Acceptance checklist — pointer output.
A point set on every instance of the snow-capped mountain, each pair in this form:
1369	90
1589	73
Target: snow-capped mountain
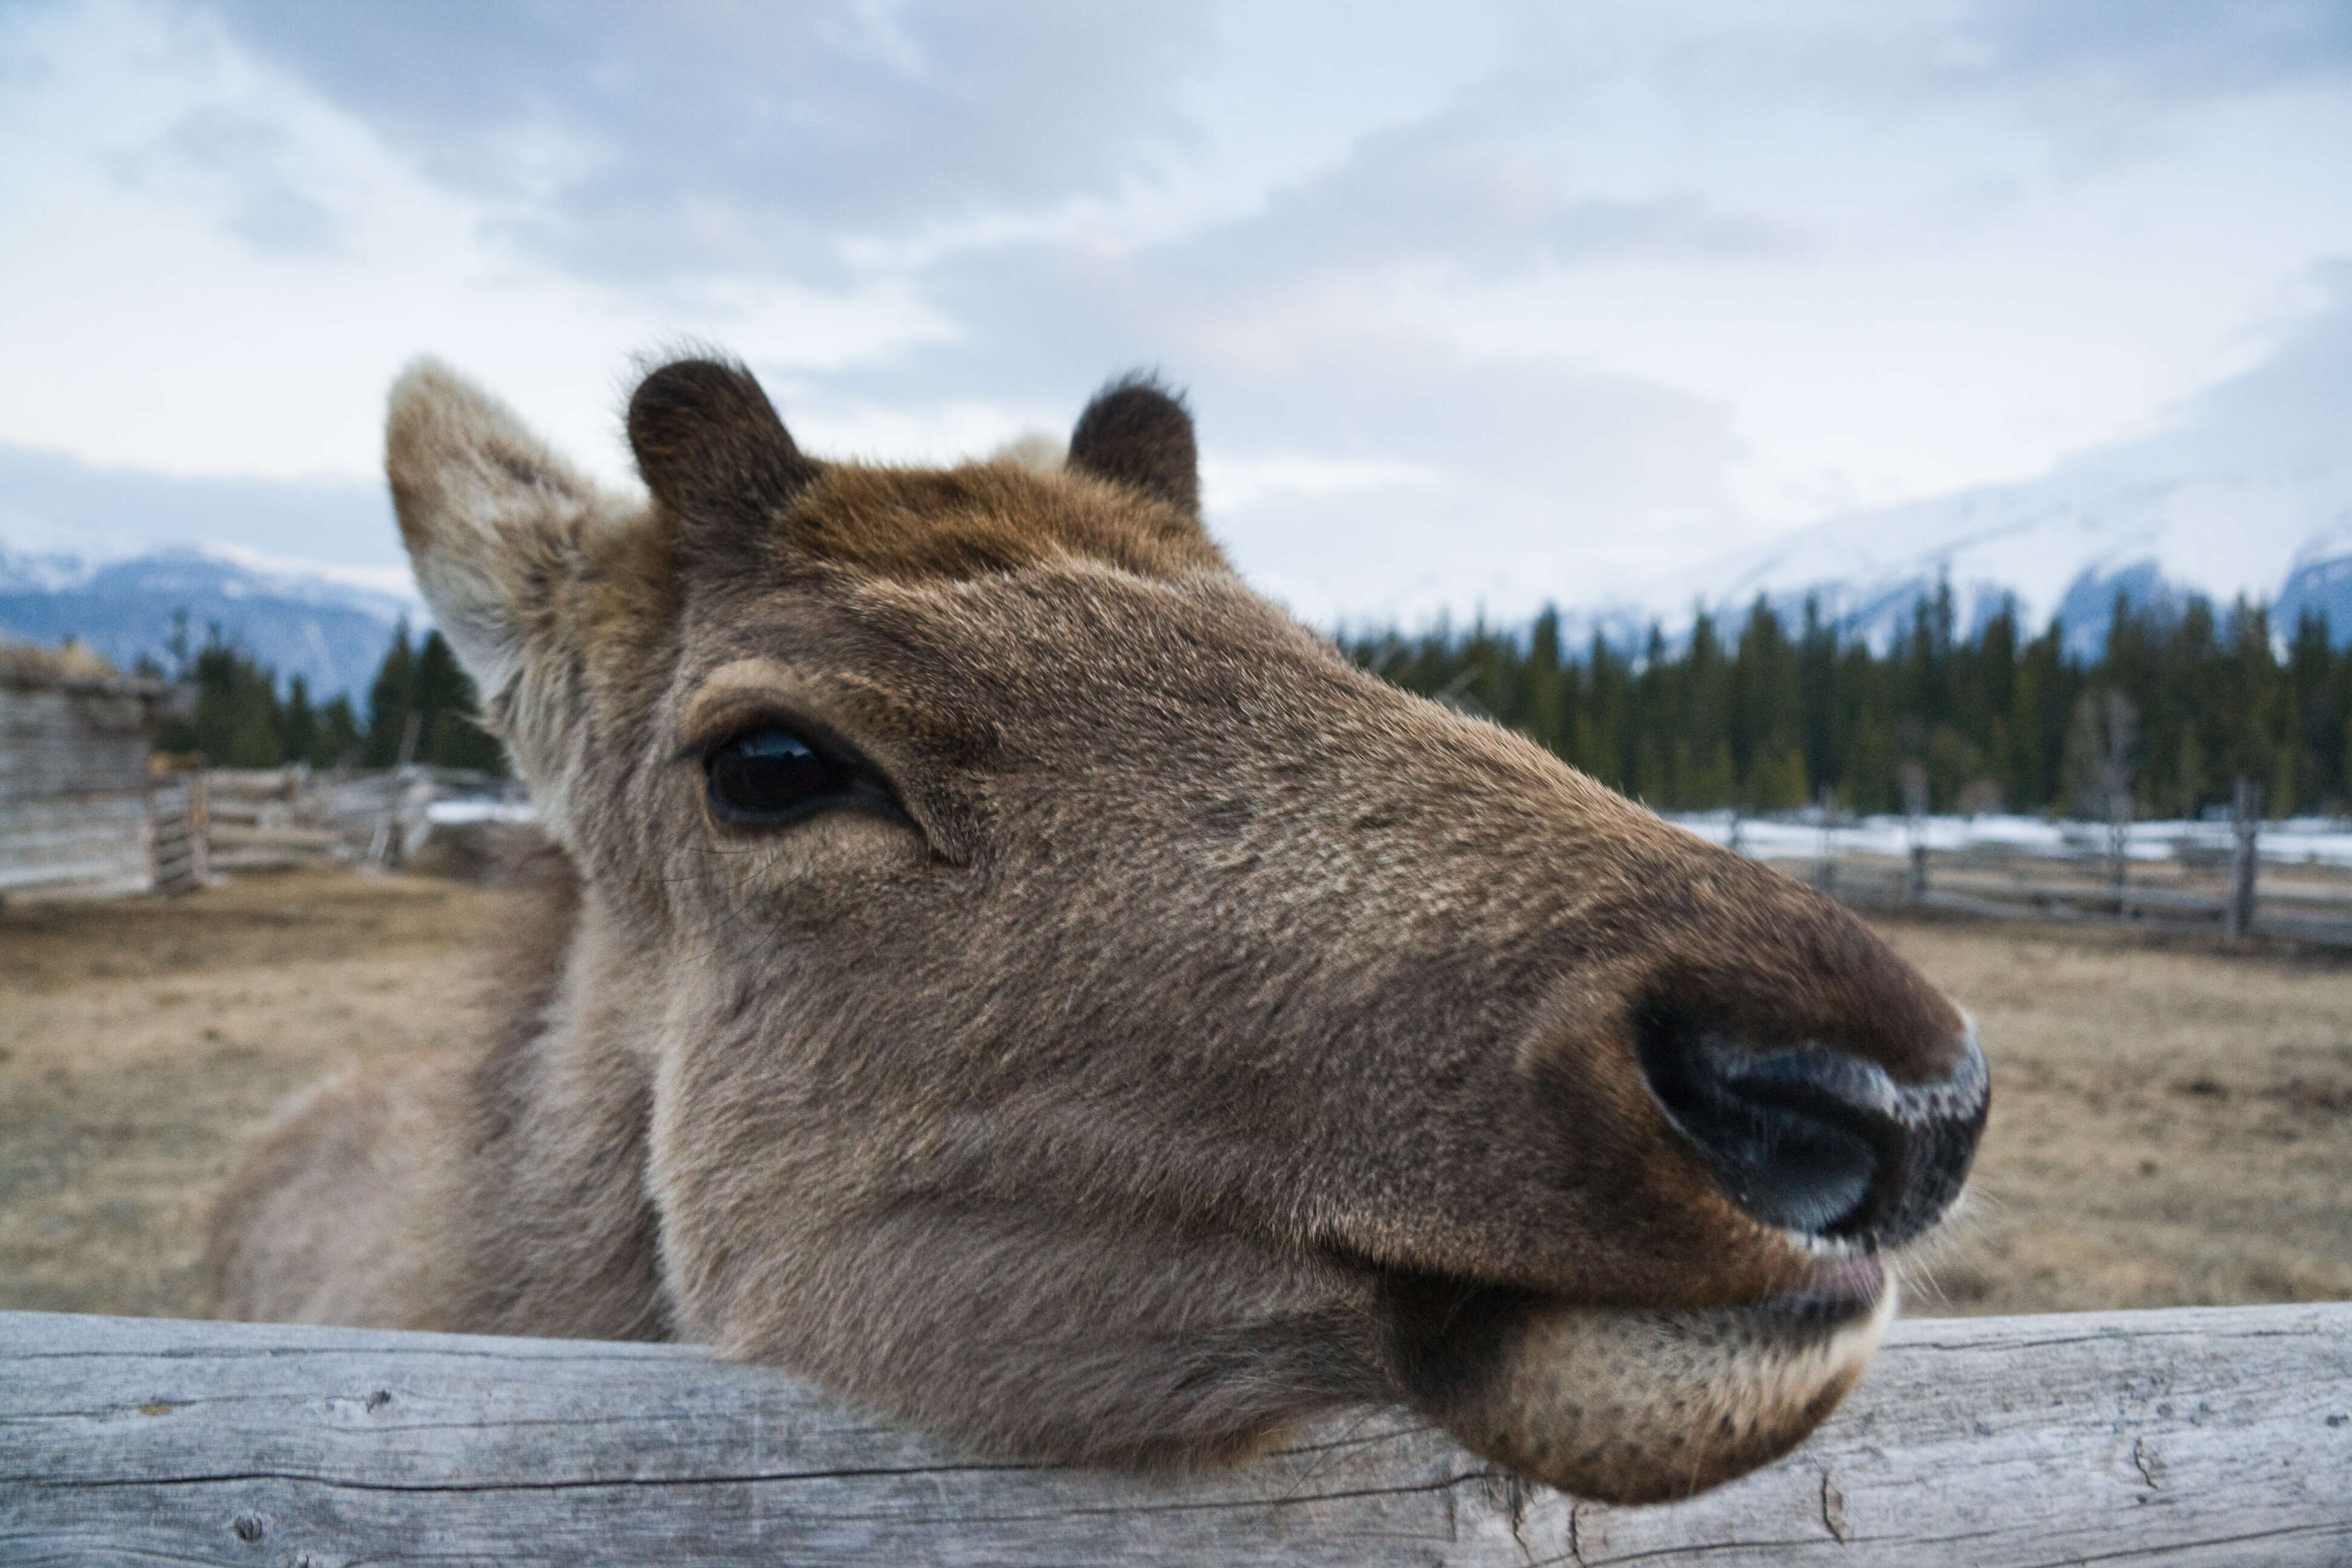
2249	490
329	626
2064	546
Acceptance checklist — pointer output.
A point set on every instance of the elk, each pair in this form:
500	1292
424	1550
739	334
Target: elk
1000	968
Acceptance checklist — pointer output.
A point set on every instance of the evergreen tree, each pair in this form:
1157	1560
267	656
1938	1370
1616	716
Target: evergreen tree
422	685
240	721
1547	721
1825	729
1989	717
336	742
444	696
297	722
236	723
2314	712
391	700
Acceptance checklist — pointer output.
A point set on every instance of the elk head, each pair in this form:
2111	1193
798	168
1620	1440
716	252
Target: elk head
1085	1015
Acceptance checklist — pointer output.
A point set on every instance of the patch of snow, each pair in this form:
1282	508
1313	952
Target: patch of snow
478	809
2315	841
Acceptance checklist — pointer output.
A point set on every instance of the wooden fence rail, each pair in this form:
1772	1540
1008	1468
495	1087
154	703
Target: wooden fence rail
2324	919
2199	1437
171	834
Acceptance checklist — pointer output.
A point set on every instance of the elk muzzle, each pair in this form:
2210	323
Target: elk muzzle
1819	1142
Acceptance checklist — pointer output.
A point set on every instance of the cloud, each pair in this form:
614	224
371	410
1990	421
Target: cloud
2160	51
52	503
631	142
2094	68
2285	415
1464	190
676	142
1354	465
247	165
1519	483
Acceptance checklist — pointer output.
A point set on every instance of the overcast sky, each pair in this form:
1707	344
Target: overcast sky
1479	306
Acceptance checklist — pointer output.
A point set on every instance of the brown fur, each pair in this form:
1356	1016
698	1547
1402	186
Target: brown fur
1138	434
1216	1035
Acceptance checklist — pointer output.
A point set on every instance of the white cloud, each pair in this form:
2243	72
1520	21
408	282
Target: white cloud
1482	305
148	326
1239	483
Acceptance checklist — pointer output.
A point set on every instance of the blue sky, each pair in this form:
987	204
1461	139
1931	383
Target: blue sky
1479	305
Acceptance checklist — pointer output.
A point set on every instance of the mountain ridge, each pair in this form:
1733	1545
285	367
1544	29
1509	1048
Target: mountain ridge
2245	491
2062	547
329	630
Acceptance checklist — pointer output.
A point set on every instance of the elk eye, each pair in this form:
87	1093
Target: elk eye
770	775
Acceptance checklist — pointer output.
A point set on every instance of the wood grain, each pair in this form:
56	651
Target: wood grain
2206	1435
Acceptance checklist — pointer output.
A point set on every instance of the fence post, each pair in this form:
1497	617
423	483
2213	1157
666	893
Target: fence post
2119	852
1826	877
177	813
1916	804
387	849
2245	827
2118	766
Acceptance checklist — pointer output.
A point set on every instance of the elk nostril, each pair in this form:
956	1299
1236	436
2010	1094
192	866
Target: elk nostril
1816	1140
1786	1152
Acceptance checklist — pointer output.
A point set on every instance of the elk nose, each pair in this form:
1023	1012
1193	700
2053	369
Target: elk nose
1817	1140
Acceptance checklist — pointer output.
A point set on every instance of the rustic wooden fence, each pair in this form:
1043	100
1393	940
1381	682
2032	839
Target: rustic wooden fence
1951	885
273	820
179	816
95	845
2198	890
174	834
2201	1437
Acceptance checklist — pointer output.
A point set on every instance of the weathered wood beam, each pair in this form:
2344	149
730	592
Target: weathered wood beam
2213	1436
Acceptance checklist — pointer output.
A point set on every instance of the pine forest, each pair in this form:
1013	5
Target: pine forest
2183	701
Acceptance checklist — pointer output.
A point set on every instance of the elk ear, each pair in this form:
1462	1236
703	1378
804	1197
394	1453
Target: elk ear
712	450
1139	434
497	525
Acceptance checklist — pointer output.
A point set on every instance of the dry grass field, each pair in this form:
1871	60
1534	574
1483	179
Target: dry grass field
2171	1124
141	1041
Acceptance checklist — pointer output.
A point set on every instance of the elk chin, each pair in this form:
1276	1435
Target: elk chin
1622	1405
